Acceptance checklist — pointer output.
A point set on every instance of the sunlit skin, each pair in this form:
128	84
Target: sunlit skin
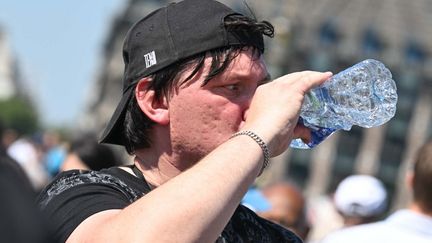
203	117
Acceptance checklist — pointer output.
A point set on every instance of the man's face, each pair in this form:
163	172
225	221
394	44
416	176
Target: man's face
203	117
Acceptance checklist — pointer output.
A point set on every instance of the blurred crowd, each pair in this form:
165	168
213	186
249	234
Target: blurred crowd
357	211
44	154
358	199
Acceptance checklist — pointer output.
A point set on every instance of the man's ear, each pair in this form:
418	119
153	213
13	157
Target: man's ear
156	110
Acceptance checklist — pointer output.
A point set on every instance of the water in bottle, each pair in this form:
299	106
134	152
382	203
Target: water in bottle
363	95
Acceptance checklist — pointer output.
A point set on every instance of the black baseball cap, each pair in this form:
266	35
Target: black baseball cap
166	36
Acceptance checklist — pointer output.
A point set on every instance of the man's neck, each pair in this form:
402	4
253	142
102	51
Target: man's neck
157	169
418	209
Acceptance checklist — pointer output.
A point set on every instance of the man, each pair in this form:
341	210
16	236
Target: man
194	76
20	220
360	199
413	224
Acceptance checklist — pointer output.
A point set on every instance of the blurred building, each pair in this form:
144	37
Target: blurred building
9	78
334	34
323	35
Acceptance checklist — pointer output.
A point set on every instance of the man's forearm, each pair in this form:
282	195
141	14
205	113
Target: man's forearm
195	206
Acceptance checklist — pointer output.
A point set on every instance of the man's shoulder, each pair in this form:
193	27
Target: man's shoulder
75	195
81	180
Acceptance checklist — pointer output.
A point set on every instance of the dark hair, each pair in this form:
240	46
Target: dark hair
137	125
422	180
96	156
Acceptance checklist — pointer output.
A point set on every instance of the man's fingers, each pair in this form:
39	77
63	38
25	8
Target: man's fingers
302	132
307	80
310	79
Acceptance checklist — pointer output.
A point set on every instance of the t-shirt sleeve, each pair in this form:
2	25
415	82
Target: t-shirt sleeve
76	196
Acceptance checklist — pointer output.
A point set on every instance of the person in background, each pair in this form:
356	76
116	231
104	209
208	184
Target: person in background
254	200
196	96
413	224
55	149
287	207
8	137
12	165
25	151
86	153
20	220
360	199
357	199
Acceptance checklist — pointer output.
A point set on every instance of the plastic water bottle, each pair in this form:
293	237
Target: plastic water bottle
363	95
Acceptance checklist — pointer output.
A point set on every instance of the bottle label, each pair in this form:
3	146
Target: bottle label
318	134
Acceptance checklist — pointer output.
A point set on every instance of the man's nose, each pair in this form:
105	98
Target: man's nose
246	104
245	112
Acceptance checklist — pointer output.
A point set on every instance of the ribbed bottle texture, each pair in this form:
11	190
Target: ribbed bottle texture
363	95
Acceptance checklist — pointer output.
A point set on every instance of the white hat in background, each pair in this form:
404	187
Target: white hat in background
361	195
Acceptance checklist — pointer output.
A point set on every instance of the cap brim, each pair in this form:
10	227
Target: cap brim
113	132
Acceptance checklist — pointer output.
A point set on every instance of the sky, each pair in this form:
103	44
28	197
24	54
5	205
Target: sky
58	45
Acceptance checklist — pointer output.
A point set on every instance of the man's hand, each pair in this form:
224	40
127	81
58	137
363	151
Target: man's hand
275	109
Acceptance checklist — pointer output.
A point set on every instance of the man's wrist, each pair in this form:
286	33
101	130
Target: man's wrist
261	143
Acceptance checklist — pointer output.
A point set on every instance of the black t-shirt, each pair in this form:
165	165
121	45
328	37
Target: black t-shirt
75	195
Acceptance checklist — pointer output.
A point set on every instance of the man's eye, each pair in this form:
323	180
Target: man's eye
233	87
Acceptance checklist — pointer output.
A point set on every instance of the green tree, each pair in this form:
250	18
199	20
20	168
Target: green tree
19	114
